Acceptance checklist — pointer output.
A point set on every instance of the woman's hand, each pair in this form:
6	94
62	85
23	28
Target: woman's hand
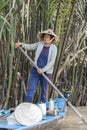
40	71
18	44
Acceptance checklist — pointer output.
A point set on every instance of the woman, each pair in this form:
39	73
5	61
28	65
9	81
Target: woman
45	56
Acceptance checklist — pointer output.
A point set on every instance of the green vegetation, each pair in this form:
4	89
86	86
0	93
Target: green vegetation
21	20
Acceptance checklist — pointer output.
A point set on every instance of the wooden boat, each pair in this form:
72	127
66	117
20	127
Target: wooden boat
49	122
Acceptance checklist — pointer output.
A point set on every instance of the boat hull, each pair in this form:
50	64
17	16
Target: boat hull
48	122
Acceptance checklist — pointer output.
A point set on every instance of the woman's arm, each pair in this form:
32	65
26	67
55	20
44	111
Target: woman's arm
27	46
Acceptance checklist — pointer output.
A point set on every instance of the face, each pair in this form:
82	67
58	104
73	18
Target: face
47	38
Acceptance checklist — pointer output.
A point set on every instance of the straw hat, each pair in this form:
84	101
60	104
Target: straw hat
50	32
28	113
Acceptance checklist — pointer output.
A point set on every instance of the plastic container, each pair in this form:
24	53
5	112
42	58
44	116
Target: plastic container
51	105
42	107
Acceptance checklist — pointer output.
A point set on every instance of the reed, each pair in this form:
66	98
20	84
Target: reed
21	20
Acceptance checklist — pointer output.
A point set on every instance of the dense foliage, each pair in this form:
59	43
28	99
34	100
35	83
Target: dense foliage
21	20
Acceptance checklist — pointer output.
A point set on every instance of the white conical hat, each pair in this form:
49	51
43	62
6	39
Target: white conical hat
28	113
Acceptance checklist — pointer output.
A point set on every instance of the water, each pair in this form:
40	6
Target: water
72	121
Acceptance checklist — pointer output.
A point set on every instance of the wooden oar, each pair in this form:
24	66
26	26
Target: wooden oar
56	89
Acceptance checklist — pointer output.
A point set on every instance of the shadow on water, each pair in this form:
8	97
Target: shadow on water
72	121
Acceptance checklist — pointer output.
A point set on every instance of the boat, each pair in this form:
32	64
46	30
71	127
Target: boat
49	122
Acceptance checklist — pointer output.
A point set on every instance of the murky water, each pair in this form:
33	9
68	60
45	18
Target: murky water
72	121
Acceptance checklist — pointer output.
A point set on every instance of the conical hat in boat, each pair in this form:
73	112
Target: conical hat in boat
28	113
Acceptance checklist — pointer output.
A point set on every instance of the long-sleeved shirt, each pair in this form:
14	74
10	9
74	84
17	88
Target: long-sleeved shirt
48	68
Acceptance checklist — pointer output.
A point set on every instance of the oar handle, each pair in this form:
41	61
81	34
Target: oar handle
56	89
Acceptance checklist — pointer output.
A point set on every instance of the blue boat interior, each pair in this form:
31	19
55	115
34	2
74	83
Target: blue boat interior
58	103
